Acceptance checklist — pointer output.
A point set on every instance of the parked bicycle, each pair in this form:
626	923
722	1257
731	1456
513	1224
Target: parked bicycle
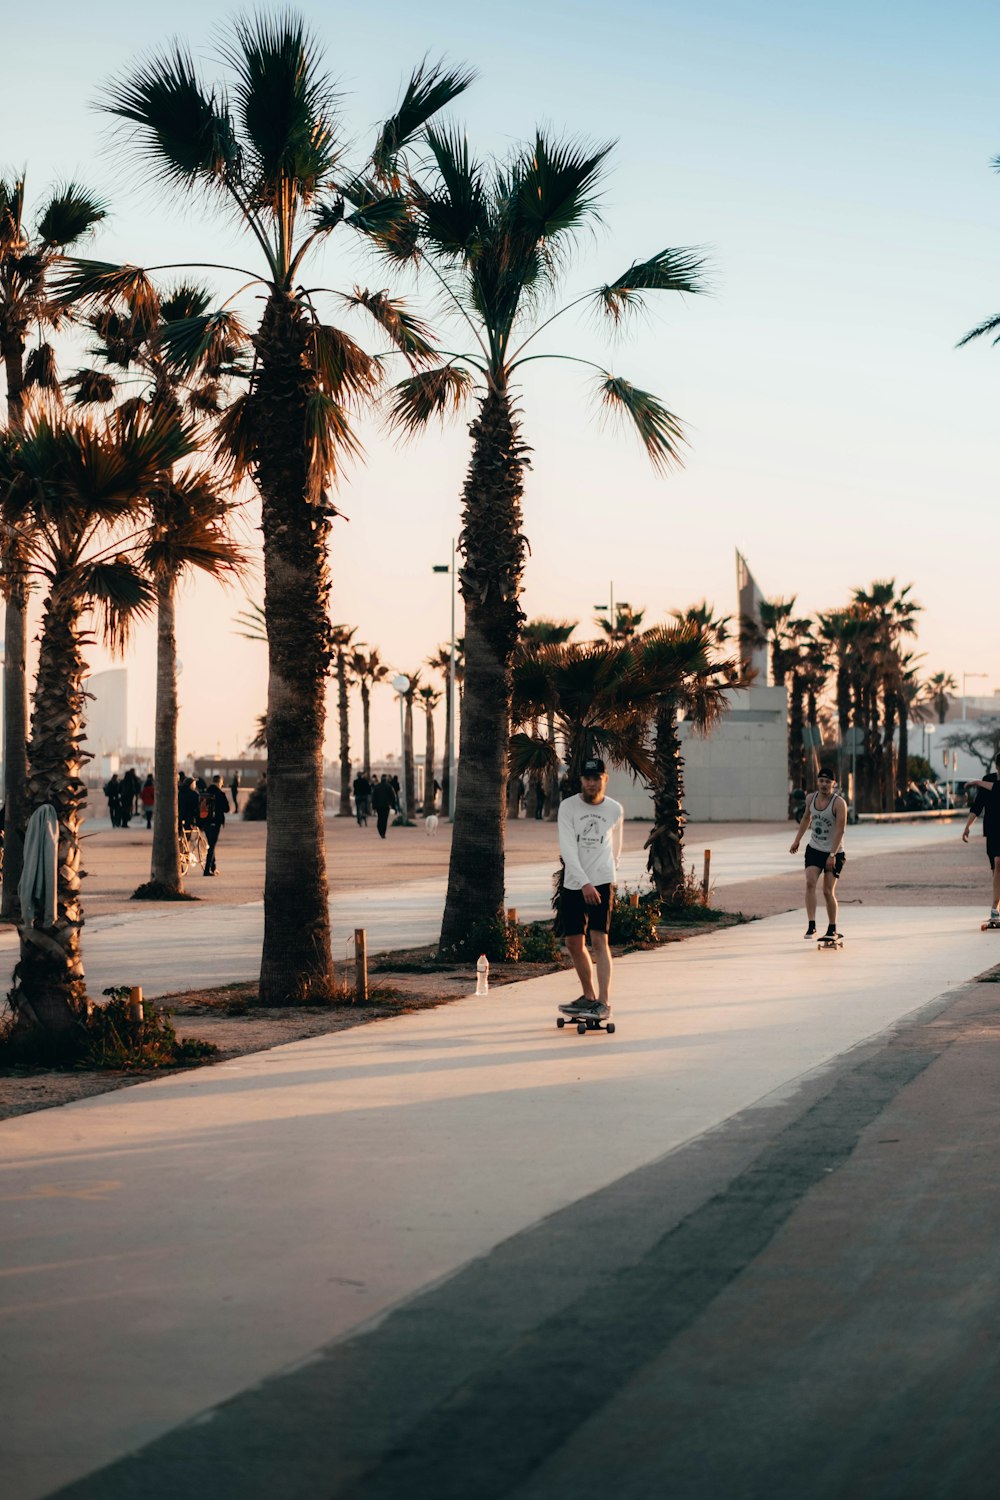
192	846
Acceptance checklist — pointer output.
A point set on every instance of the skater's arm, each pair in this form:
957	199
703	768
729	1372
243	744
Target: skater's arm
840	813
973	815
806	820
618	840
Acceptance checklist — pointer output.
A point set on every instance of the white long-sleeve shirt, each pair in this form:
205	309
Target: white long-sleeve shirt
590	841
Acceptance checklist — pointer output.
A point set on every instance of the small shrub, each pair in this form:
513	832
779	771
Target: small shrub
499	939
539	944
155	890
112	1039
687	895
633	926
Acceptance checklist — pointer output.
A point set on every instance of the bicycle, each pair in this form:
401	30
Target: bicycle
192	846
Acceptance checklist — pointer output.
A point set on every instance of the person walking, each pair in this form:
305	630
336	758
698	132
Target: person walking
147	796
591	833
234	787
987	803
187	804
113	792
383	802
362	798
213	804
825	817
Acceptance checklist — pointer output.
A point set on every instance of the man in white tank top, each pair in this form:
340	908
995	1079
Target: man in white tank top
826	818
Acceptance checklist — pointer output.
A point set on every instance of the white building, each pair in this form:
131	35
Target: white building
106	719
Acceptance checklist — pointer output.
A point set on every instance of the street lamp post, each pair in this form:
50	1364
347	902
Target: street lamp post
965	678
610	608
444	568
401	685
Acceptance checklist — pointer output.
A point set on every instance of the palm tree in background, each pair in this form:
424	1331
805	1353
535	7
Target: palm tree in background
938	690
441	662
775	615
144	341
544	632
626	624
367	670
496	239
430	697
28	254
74	486
270	150
341	637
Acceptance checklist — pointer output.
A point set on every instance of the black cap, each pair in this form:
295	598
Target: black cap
592	767
825	771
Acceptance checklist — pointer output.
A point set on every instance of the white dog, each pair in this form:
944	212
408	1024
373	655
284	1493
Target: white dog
431	825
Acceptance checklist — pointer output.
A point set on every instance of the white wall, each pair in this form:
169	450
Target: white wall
738	773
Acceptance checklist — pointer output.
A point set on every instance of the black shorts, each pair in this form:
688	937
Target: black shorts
819	857
992	851
576	916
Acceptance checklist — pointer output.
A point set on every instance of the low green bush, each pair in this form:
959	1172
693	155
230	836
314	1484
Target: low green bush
633	926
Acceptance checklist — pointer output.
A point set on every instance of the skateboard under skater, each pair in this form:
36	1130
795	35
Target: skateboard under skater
584	1024
992	925
829	942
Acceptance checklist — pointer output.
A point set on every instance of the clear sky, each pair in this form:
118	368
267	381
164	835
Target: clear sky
834	164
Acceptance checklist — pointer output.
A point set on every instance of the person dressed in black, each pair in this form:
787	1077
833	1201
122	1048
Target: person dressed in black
987	802
213	804
113	792
234	787
187	804
362	798
383	802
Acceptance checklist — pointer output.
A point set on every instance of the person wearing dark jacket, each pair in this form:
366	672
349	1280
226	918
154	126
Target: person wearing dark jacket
383	802
187	804
213	806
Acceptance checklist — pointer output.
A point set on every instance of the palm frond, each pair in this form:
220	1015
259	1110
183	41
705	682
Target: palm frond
254	622
329	438
430	393
343	367
454	218
82	282
186	300
91	387
285	107
184	133
991	325
236	436
120	595
40	368
667	271
69	214
555	185
430	89
409	334
190	343
12	213
528	752
660	432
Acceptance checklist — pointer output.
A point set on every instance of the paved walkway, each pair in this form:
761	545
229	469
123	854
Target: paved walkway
215	1238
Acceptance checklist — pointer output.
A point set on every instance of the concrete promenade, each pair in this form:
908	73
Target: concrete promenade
745	1247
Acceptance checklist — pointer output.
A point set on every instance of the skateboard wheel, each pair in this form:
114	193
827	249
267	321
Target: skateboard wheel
560	1022
581	1028
610	1027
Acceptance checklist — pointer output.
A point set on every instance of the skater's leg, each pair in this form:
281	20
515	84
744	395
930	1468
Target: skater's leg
812	875
577	945
830	897
602	963
996	884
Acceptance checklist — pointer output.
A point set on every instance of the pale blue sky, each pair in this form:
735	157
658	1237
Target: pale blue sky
834	163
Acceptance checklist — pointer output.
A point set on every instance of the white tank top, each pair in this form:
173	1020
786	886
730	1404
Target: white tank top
823	827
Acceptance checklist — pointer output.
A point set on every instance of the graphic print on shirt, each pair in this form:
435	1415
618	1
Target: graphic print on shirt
822	829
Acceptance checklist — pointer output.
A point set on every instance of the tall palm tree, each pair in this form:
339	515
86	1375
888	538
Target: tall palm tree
341	637
409	766
275	158
496	240
939	689
74	487
441	662
28	254
625	625
144	341
368	670
774	617
890	616
430	697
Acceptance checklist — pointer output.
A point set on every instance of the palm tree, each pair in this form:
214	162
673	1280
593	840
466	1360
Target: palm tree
441	662
275	159
496	240
409	768
774	617
544	632
889	617
27	257
144	340
368	670
696	680
430	698
910	694
72	486
939	689
341	637
624	626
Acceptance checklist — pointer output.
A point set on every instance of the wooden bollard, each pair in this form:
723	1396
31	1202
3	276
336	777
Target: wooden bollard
135	1004
705	875
633	898
512	916
360	965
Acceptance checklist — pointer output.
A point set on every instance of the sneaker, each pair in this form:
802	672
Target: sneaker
593	1010
575	1006
831	932
810	931
994	915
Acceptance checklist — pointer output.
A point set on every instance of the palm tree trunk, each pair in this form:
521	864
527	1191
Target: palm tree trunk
493	550
345	737
429	764
49	986
446	753
666	842
15	738
296	959
165	867
366	710
409	770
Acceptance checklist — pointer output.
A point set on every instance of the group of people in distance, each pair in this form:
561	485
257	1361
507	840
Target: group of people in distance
380	795
127	795
199	805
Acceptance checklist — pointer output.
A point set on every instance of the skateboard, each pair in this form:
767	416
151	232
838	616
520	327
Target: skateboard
991	926
830	942
584	1024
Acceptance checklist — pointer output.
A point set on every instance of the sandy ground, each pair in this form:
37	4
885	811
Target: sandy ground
117	860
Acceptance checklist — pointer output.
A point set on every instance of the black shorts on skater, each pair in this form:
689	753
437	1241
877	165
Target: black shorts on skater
819	857
577	916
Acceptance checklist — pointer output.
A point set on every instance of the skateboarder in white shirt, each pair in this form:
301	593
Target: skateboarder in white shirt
591	832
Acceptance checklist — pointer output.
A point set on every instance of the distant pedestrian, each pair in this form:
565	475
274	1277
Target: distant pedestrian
113	792
539	799
129	795
383	802
234	789
213	804
397	803
147	797
362	799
